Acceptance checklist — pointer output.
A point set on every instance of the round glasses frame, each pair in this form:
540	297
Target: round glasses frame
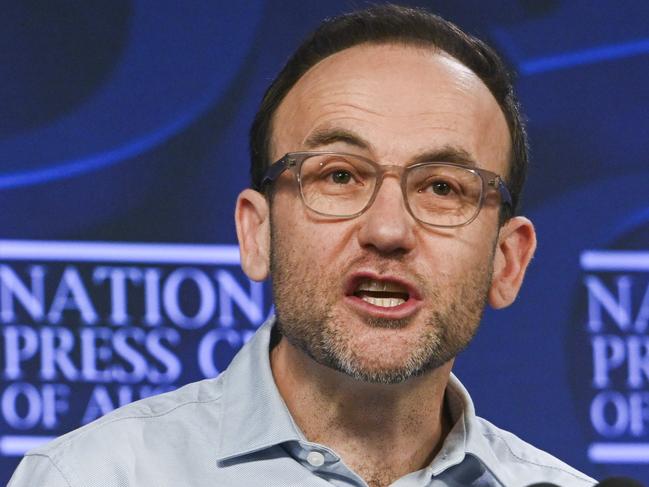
293	161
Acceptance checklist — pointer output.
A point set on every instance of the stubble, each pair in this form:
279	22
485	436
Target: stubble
307	316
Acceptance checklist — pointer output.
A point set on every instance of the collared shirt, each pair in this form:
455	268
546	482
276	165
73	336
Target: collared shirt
235	431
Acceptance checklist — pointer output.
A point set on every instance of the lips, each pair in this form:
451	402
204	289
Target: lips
382	295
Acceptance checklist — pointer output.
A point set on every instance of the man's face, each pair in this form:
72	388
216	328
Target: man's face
392	104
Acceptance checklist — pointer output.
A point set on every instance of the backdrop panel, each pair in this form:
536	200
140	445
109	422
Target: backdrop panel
124	145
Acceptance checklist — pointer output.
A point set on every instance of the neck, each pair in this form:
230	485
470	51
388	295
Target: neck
381	431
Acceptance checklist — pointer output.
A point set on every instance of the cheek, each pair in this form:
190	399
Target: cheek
323	245
309	248
308	235
460	253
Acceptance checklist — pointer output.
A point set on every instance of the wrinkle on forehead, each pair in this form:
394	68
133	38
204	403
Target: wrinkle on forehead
370	86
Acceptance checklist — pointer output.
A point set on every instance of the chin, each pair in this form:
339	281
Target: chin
382	360
381	374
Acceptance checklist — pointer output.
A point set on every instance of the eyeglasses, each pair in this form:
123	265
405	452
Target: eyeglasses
441	194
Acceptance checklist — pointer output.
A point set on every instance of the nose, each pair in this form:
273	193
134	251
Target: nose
386	225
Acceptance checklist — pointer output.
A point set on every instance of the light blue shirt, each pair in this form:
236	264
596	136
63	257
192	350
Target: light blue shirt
235	431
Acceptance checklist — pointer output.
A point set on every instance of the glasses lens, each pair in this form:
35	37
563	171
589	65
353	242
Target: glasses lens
336	184
443	195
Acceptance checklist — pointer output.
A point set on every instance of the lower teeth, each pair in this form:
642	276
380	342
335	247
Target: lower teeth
384	302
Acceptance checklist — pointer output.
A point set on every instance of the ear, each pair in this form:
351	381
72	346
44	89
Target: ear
514	251
252	218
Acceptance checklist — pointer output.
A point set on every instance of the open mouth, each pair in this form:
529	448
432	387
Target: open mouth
385	294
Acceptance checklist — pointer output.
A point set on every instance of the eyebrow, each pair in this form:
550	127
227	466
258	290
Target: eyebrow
327	136
447	153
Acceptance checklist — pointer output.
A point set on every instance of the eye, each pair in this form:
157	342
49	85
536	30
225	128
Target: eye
340	177
441	188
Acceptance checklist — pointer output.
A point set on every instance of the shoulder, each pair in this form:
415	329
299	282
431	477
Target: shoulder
155	427
524	461
188	402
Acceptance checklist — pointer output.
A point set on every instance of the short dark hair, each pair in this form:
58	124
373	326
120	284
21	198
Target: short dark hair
386	24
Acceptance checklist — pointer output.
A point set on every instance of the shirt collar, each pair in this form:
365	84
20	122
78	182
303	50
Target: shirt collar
254	415
466	437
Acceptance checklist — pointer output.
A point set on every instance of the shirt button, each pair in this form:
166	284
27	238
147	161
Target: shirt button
315	459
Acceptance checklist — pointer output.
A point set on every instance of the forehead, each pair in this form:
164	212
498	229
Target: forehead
401	100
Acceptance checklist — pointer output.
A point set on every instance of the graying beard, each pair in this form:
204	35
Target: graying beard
322	348
325	354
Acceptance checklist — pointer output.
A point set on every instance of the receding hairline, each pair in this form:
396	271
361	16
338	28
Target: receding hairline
398	42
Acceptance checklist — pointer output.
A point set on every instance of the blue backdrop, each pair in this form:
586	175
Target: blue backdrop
123	145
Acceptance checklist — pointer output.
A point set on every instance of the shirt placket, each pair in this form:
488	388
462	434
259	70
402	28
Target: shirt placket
324	463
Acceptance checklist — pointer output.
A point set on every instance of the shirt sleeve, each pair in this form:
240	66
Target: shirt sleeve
37	470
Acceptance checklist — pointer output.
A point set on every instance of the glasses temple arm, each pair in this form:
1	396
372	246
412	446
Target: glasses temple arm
505	195
275	170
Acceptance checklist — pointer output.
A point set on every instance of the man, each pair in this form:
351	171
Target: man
387	223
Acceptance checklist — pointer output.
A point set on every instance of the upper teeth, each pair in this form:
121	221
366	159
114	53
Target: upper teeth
367	288
386	286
